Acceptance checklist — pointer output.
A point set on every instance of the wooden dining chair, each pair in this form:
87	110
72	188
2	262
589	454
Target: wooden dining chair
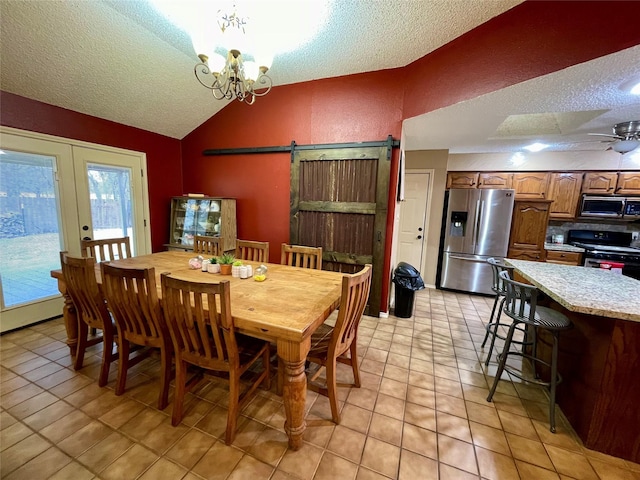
132	298
301	256
91	309
330	344
204	336
106	249
254	251
209	246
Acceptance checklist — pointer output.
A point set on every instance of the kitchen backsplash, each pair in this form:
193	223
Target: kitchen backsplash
562	228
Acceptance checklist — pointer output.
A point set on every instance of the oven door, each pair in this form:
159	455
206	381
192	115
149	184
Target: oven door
611	207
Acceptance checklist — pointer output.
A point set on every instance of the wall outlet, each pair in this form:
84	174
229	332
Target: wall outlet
635	235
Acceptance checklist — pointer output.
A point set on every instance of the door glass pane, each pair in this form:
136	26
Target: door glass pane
30	240
111	196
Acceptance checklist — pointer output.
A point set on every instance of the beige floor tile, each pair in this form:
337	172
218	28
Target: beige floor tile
131	464
420	416
389	406
164	436
19	395
530	451
332	467
70	386
490	438
43	466
13	434
494	466
302	463
218	462
165	470
83	439
398	360
363	398
270	446
413	466
448	472
105	452
249	467
73	471
393	388
421	441
421	396
355	418
43	371
386	429
65	426
190	448
453	426
372	366
571	463
122	413
381	457
533	472
485	414
33	405
457	453
421	379
608	471
347	443
20	453
517	424
15	382
452	405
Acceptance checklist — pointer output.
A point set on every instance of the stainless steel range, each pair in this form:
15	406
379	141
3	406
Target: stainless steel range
607	247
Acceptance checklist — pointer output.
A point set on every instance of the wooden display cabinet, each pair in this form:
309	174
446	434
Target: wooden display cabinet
529	229
564	191
531	185
600	182
209	216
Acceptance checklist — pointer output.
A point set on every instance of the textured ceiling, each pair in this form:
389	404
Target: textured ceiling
122	61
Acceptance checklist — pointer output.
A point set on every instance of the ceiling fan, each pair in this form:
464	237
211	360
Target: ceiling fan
626	135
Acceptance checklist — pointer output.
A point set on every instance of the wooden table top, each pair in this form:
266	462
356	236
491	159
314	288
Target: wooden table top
290	304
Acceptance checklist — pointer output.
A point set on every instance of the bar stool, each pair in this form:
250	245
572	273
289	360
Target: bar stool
500	290
521	306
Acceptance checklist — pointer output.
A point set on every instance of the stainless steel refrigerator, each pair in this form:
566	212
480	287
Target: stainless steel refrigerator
477	226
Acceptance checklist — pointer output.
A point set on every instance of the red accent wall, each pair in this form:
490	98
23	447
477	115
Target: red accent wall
164	166
530	40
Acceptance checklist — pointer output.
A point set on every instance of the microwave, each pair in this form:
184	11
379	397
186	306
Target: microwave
594	206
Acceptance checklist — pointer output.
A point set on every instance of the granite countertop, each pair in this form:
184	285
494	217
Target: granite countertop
562	247
584	289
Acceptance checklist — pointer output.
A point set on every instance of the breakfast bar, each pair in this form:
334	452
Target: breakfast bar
599	357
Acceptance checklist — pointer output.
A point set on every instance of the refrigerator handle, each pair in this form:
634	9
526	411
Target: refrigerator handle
476	222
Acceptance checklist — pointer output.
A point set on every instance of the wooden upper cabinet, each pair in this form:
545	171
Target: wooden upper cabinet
529	229
495	180
564	192
600	182
628	183
532	185
462	180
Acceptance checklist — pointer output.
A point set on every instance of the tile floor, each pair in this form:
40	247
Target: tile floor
421	414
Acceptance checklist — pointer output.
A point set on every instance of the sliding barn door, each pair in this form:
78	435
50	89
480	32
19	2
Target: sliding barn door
339	203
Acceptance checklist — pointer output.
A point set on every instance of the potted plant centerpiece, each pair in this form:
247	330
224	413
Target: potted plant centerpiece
226	261
213	267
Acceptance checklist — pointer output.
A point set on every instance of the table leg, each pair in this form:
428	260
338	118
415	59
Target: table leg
70	317
293	356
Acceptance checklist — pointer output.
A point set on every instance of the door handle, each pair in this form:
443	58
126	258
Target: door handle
419	237
86	238
419	229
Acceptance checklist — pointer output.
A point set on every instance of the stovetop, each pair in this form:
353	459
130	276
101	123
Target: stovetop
607	248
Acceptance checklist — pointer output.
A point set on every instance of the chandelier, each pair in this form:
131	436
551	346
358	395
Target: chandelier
235	76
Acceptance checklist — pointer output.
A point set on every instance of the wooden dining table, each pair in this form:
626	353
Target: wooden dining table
285	309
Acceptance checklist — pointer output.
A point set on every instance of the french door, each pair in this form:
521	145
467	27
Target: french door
52	194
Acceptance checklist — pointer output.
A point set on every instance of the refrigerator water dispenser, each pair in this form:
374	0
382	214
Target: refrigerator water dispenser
458	224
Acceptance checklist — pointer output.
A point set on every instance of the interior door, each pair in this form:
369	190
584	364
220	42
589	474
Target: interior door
411	230
109	183
339	202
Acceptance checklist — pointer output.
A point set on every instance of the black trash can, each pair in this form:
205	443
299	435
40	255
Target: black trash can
407	280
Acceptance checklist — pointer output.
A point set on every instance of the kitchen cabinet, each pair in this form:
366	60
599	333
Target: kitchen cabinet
191	216
462	180
564	258
533	185
600	182
495	180
628	183
528	230
564	192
